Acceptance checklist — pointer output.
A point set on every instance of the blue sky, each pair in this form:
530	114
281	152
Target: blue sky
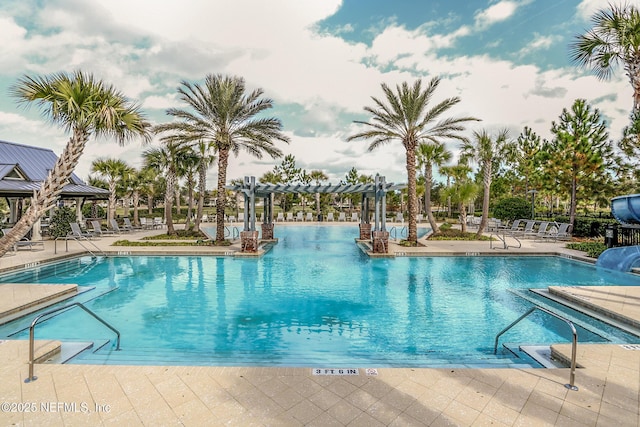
319	60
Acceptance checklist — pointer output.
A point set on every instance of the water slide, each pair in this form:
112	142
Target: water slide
626	210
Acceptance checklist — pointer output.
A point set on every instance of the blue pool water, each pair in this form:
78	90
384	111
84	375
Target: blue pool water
314	300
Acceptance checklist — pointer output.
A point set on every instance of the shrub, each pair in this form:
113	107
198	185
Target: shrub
593	249
587	227
512	208
59	225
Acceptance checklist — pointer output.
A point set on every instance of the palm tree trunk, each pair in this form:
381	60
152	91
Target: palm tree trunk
486	181
51	188
111	212
202	188
223	159
412	202
168	202
428	180
136	201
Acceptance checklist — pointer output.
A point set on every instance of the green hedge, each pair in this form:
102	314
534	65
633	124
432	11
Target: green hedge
588	227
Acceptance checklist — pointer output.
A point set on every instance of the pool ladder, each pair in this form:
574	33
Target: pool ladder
393	232
574	343
35	321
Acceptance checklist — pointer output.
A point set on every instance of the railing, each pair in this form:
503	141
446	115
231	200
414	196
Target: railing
66	243
503	239
393	232
574	343
40	316
233	232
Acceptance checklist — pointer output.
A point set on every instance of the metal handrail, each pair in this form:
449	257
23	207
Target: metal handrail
66	242
393	232
574	343
234	232
55	310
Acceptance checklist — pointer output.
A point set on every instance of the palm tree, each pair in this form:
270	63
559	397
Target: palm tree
85	106
139	180
613	40
229	119
462	190
486	151
406	117
204	163
114	171
164	160
188	163
429	155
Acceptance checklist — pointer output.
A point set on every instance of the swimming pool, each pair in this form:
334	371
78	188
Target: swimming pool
314	300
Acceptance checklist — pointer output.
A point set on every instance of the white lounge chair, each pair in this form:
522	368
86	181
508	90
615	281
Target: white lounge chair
289	216
330	216
354	216
342	217
419	217
280	217
399	217
299	216
309	217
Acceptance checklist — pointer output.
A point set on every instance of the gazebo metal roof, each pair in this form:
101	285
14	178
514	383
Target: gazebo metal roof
264	190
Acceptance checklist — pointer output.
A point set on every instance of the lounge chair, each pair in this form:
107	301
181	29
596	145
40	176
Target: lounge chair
557	232
115	227
24	242
159	222
419	218
299	216
342	217
354	217
523	232
309	217
515	227
97	229
399	217
77	233
289	216
330	216
540	232
127	226
280	217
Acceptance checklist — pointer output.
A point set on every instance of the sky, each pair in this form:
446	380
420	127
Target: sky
320	61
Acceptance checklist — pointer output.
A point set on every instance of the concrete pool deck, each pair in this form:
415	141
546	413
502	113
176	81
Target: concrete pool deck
609	383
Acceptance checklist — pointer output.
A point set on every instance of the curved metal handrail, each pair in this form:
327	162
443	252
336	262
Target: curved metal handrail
574	343
55	310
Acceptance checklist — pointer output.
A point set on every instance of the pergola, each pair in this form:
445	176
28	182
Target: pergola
376	191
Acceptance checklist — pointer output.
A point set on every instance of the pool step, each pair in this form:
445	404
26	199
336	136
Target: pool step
141	356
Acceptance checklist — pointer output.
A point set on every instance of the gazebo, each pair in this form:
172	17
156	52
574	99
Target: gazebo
376	192
23	168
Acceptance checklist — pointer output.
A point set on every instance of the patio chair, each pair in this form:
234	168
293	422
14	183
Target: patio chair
299	216
77	233
419	217
515	227
289	216
557	232
309	217
523	232
540	232
280	217
330	216
159	222
128	226
24	242
97	229
115	227
354	217
342	217
399	217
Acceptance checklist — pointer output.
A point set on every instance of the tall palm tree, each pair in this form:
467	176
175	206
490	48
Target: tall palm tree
187	169
139	181
114	171
85	106
164	159
406	117
430	155
486	151
204	163
230	119
461	191
613	40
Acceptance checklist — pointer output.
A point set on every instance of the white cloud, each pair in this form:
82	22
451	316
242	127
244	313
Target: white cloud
587	8
495	13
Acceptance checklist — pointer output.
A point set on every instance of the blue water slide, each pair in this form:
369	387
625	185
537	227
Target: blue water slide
626	209
620	259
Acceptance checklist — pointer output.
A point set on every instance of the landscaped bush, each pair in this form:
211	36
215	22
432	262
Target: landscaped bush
512	208
593	249
59	225
588	227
